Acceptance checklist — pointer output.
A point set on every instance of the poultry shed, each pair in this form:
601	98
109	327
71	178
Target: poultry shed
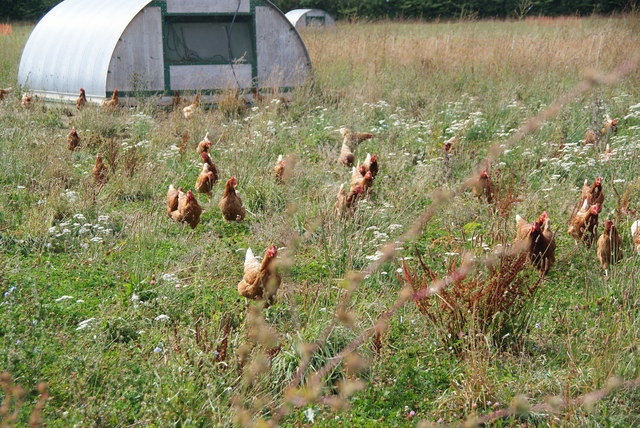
151	48
310	18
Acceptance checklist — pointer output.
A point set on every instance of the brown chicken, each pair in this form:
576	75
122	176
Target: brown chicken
352	139
347	202
184	143
584	225
172	199
81	100
635	234
357	174
177	101
609	126
73	139
590	137
482	187
27	101
538	241
447	146
4	93
592	194
261	280
212	166
278	170
371	164
346	158
523	227
189	110
366	183
188	210
99	171
205	181
231	204
113	103
204	145
609	246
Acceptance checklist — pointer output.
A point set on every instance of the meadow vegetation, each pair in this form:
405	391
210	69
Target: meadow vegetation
132	319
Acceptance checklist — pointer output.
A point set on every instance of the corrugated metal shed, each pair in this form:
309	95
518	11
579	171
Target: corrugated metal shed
310	18
154	47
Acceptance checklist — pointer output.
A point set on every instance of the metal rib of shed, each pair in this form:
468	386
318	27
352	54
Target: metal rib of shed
71	47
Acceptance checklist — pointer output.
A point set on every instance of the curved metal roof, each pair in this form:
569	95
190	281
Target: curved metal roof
71	47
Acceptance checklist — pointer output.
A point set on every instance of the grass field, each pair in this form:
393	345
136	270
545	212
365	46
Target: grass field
133	320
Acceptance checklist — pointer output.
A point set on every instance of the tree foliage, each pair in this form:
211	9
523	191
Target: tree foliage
445	9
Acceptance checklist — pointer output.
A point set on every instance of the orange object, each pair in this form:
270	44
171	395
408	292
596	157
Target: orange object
6	29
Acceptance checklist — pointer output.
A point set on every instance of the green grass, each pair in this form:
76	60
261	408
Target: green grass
123	263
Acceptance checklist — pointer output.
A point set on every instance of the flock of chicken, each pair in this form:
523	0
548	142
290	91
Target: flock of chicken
537	239
261	279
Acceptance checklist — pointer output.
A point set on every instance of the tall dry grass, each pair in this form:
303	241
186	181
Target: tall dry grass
400	60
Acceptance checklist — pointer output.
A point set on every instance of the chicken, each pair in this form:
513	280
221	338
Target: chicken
635	234
205	181
260	280
189	110
258	98
367	183
204	145
184	143
177	101
346	158
189	209
352	139
592	194
183	207
538	241
609	126
447	146
482	187
212	166
26	101
346	202
447	149
371	164
278	170
357	174
585	223
523	227
608	153
172	199
609	245
4	93
361	177
81	100
590	137
231	204
99	171
113	103
73	139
